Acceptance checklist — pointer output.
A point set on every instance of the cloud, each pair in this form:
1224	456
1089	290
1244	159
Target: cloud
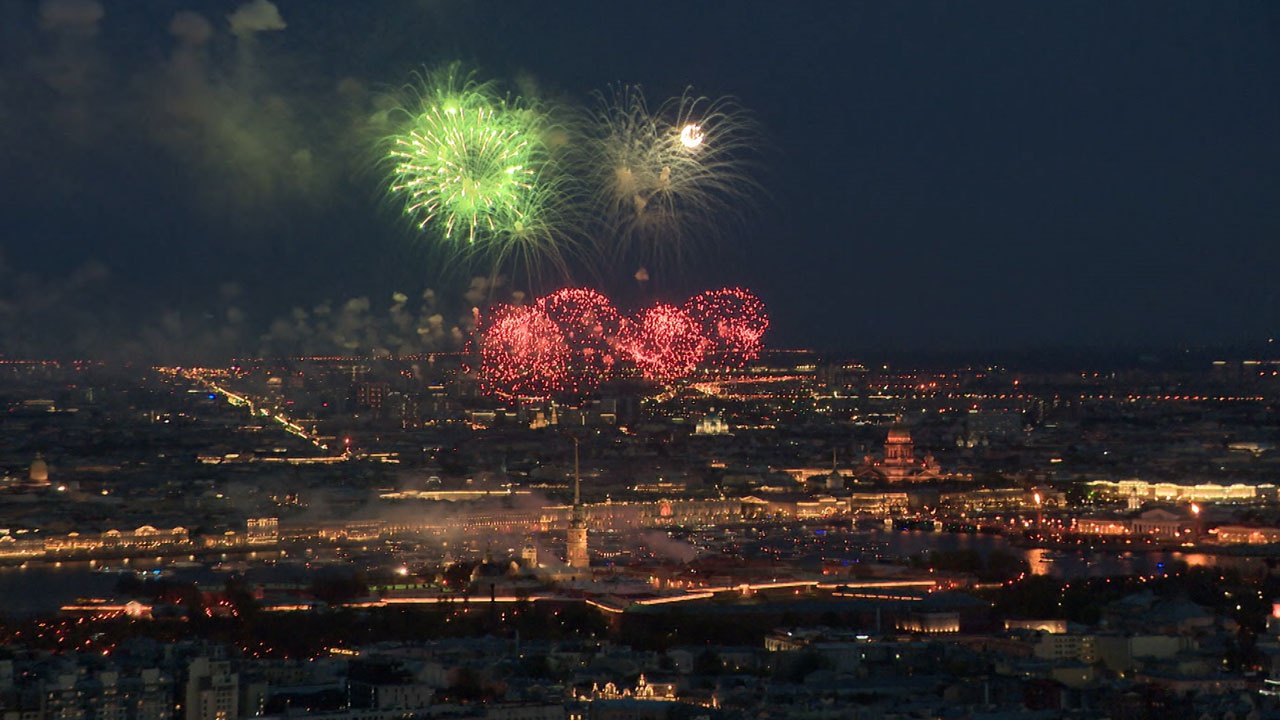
42	316
255	16
358	327
247	141
251	144
90	312
666	547
118	120
72	16
191	28
224	119
71	65
480	290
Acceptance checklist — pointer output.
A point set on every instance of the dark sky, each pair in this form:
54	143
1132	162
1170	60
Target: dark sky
976	177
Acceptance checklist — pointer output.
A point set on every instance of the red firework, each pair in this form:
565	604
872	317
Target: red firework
522	353
732	321
663	342
590	325
572	340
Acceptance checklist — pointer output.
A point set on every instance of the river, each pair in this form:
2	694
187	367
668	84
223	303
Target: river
1064	564
39	588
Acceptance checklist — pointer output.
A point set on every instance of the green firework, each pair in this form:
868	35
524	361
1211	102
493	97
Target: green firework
465	166
477	171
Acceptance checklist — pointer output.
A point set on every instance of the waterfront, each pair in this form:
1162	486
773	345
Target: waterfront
1065	564
39	588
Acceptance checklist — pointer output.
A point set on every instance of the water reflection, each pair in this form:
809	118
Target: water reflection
44	587
1064	564
33	588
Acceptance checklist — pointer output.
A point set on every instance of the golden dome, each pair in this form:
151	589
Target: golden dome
39	472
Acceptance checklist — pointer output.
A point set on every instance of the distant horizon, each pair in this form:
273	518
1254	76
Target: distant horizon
1040	359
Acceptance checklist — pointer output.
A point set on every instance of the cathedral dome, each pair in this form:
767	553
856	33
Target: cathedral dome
898	433
39	472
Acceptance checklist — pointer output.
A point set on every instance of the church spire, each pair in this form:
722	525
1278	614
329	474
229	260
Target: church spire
577	478
576	555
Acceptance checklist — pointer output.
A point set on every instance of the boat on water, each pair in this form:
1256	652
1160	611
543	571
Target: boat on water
1054	556
909	524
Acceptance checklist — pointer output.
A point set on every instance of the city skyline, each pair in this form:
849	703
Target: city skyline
200	180
1053	538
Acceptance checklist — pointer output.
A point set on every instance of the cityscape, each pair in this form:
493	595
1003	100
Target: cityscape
370	537
573	360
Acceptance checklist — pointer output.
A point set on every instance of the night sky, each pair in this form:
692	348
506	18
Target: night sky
185	180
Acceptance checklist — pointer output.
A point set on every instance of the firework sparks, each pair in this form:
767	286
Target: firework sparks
522	353
667	178
590	325
733	323
691	135
663	342
475	169
570	341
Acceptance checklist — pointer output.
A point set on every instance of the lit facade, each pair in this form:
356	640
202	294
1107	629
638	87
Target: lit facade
1245	535
1143	490
899	463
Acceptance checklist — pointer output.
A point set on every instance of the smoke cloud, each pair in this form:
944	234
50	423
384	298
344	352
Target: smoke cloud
151	132
255	16
356	327
240	134
191	29
83	314
75	16
667	547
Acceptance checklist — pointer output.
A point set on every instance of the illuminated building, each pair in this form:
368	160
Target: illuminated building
576	555
931	623
1066	646
712	424
262	531
1139	491
1101	526
1161	524
38	474
1037	626
1155	523
100	695
818	506
644	690
899	463
369	395
1246	535
544	418
529	555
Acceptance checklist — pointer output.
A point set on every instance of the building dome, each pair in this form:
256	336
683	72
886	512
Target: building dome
39	472
899	434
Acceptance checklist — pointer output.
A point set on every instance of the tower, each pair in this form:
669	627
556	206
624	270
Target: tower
576	548
38	474
834	481
529	555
